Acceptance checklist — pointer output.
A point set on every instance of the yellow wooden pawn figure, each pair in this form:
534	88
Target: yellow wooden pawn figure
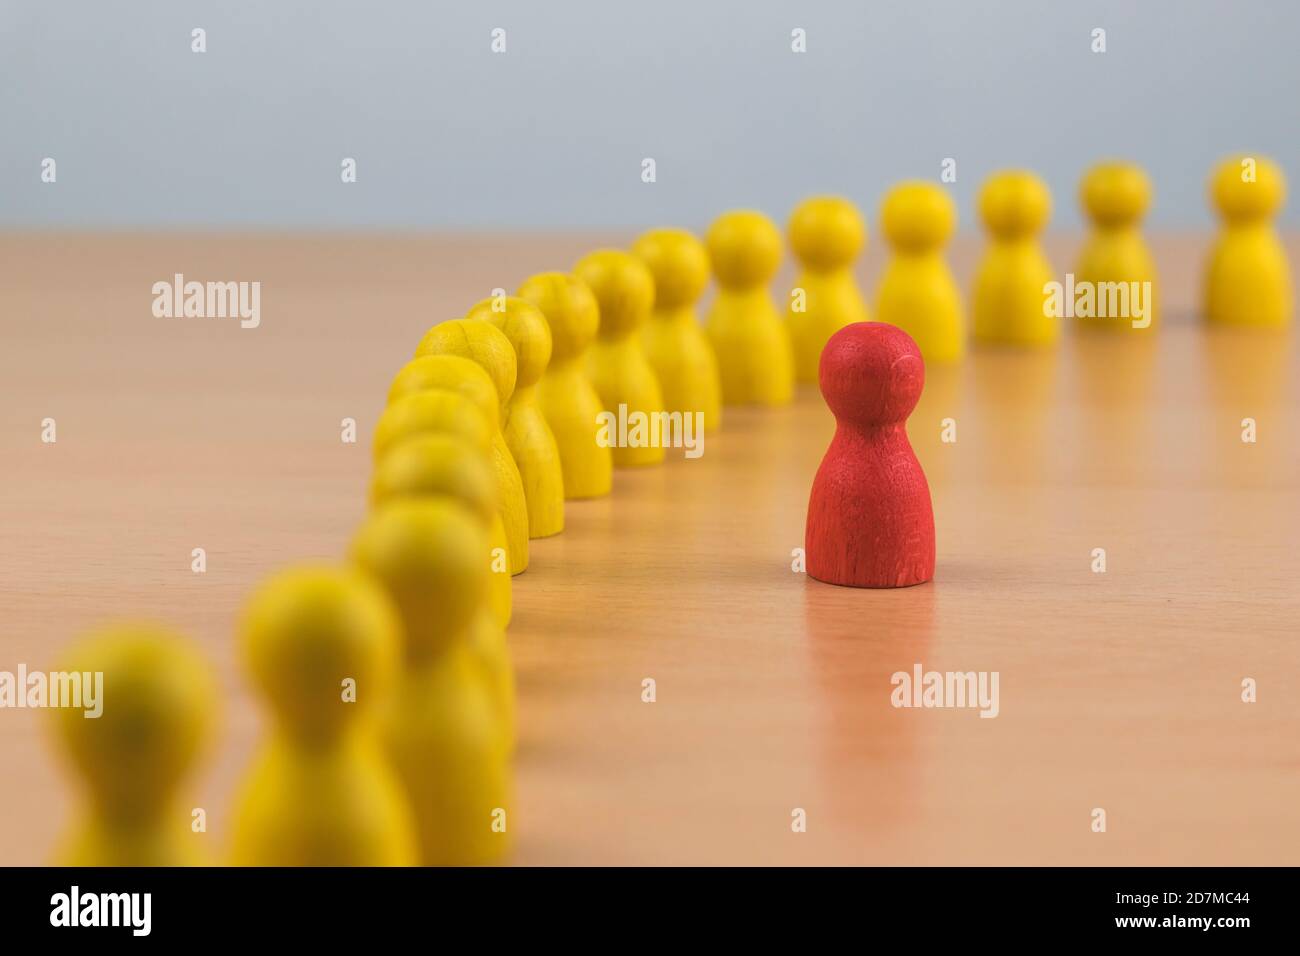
527	434
617	364
453	373
1009	304
155	707
438	411
435	463
466	377
826	234
443	730
675	344
1248	281
442	465
322	645
488	347
918	292
568	399
1115	197
751	342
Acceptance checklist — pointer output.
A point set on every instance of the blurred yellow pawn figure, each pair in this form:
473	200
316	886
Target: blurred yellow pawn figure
752	343
674	342
528	436
322	646
917	292
436	411
1115	266
443	730
617	365
1010	302
155	703
467	378
442	465
826	235
453	373
489	347
1248	282
568	399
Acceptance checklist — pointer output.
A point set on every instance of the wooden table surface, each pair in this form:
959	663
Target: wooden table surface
1119	690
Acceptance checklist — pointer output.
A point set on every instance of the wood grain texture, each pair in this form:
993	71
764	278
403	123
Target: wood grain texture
1118	690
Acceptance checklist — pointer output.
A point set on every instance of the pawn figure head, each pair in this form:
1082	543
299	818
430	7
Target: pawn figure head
744	249
525	327
1015	204
871	374
480	342
1247	189
157	699
679	263
1115	194
309	630
434	410
452	373
623	287
432	555
432	464
826	233
570	309
917	217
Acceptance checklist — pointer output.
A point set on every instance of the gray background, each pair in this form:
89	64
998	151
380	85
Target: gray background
551	134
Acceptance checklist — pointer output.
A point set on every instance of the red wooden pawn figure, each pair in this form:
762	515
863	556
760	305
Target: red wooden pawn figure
870	520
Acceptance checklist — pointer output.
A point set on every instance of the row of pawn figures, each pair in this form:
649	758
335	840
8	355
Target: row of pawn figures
387	679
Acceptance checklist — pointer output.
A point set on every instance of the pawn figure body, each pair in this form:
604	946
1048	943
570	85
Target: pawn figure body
752	344
437	411
1115	196
826	234
433	465
452	373
674	342
568	400
617	364
489	348
527	435
1248	282
442	730
870	519
917	292
1009	305
135	753
320	792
